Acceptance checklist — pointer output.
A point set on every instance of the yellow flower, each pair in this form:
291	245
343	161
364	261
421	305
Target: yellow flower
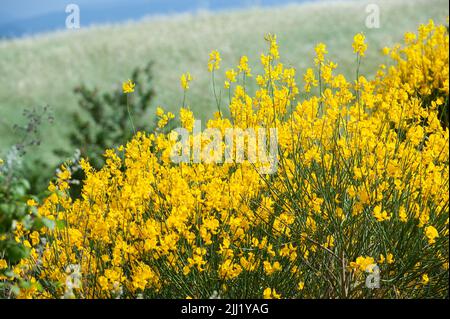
214	61
362	263
159	111
128	87
187	119
3	264
185	79
230	76
431	233
186	270
270	269
143	277
243	66
390	258
269	293
32	203
330	242
310	79
104	284
164	118
228	270
425	279
359	46
275	295
402	214
272	39
380	216
34	236
321	50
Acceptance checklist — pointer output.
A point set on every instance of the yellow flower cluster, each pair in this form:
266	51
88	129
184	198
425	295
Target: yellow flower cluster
231	77
359	45
163	118
128	87
184	80
360	174
214	61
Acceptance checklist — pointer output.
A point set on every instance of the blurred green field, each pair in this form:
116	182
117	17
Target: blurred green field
43	70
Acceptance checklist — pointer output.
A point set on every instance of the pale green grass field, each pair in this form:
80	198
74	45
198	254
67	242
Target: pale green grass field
43	70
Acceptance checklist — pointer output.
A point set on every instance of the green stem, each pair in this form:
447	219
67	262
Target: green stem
215	95
129	116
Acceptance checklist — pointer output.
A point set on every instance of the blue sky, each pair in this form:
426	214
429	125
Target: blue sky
20	17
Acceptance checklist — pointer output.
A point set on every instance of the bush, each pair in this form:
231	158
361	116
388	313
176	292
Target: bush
353	199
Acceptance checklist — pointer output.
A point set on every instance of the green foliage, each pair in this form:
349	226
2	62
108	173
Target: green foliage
14	194
16	189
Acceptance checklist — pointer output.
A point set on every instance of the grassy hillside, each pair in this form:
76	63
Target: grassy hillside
44	70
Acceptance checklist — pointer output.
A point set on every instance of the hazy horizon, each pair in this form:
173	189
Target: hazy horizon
27	17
